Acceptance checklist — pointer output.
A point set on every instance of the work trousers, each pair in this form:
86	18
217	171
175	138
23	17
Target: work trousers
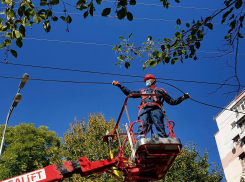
150	115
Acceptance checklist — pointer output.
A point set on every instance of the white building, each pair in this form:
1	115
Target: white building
230	139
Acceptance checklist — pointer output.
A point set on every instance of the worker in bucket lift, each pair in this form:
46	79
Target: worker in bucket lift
150	110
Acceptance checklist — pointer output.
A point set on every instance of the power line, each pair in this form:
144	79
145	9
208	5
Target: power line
107	83
114	74
110	45
150	19
185	7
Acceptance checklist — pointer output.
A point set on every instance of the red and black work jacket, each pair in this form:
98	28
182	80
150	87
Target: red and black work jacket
148	101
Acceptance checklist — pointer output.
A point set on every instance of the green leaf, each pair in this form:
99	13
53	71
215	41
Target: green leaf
98	2
114	48
106	12
91	9
21	11
63	18
19	43
121	37
129	16
130	35
118	63
22	30
10	13
210	26
132	2
127	65
174	60
121	13
178	22
54	2
1	21
30	23
240	35
46	26
54	18
167	59
43	3
37	19
162	47
153	63
197	44
227	36
17	34
177	1
238	4
68	19
149	38
85	15
187	25
14	53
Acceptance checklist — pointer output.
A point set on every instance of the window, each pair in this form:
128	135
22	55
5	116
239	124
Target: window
233	125
243	106
242	126
236	140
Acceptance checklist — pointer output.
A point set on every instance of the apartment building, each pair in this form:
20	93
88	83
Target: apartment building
230	138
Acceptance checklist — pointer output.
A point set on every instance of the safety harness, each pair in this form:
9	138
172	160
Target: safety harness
143	104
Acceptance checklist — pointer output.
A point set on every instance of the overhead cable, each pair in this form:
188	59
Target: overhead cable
151	19
68	81
185	7
114	74
98	44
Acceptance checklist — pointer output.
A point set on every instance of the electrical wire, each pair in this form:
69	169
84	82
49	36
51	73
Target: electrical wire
201	102
114	74
185	7
72	42
150	19
67	81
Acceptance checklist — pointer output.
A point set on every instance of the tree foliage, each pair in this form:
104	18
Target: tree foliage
27	148
192	166
86	139
187	39
17	15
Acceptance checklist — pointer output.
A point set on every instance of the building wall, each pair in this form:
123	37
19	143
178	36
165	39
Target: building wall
229	144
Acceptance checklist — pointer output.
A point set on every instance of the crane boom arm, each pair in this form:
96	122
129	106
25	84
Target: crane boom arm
57	173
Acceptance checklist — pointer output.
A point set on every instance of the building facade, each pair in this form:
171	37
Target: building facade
230	139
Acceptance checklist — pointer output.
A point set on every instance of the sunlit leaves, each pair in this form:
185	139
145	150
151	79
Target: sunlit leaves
46	26
37	19
67	19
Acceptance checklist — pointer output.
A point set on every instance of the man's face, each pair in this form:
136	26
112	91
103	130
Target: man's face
152	80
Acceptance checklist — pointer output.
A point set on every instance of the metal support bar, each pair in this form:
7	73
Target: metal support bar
130	141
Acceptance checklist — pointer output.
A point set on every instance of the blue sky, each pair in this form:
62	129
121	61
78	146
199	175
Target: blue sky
56	104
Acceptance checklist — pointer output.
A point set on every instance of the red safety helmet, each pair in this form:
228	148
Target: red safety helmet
148	76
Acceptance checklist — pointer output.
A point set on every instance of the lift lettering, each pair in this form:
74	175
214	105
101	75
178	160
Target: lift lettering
29	177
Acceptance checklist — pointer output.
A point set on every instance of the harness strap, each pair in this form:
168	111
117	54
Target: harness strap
143	104
148	104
